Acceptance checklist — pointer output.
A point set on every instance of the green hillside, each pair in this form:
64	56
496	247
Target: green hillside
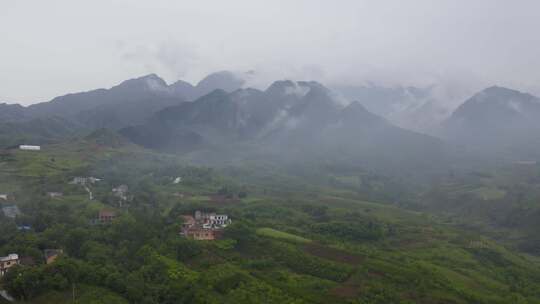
293	240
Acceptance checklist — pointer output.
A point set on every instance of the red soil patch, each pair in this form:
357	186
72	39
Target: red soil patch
346	291
332	254
373	273
349	289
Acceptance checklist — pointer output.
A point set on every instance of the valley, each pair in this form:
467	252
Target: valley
292	240
324	203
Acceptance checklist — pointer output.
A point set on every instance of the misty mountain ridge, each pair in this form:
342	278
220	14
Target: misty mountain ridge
131	102
414	108
291	120
497	119
12	112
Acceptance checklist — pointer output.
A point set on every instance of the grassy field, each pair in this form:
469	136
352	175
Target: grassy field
273	233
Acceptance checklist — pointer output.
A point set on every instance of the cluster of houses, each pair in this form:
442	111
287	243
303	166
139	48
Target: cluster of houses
204	226
13	259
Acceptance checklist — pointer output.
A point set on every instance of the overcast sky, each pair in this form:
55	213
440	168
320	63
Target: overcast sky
49	48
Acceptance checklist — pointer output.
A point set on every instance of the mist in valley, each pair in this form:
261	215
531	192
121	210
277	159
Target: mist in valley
257	152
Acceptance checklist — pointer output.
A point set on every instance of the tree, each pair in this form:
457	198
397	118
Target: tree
23	282
242	233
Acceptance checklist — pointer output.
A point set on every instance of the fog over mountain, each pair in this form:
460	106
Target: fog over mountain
389	44
364	124
497	119
269	152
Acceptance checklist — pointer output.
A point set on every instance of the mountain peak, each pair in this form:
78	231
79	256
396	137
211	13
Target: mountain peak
181	84
150	82
501	92
289	87
356	107
356	113
494	119
225	80
495	97
215	94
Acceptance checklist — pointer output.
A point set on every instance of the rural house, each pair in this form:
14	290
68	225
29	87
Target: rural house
204	226
8	262
52	254
29	148
212	220
54	194
202	234
11	211
84	180
24	228
189	221
121	192
106	216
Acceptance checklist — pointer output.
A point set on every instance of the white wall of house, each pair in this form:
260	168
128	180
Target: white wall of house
8	262
29	148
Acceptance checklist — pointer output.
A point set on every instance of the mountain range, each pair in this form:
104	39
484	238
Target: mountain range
289	120
131	101
128	103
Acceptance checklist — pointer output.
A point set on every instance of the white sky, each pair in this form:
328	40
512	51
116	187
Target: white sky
49	48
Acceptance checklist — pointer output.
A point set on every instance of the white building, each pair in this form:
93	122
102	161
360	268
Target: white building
11	211
84	180
121	191
4	197
93	180
212	220
220	220
55	194
29	148
8	262
78	181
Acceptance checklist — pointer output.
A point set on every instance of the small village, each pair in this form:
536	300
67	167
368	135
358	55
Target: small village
199	226
13	259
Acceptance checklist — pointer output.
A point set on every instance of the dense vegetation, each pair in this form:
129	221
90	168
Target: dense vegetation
293	239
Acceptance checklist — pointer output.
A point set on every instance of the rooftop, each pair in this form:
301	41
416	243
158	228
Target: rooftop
9	257
52	252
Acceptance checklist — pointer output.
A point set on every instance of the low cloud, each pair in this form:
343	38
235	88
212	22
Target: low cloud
169	59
